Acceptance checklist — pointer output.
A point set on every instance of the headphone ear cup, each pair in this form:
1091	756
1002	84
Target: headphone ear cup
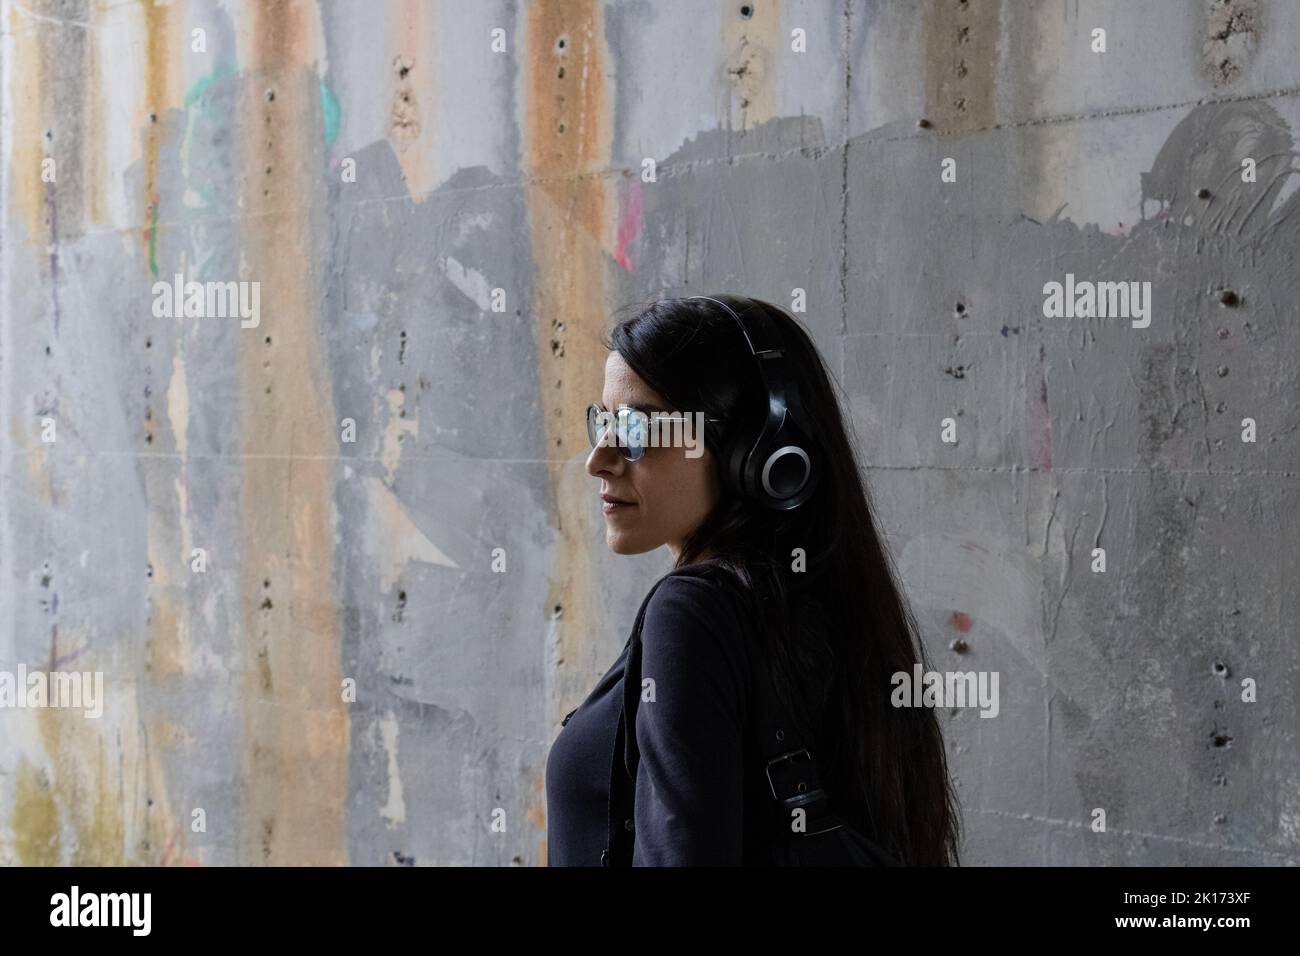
784	472
773	470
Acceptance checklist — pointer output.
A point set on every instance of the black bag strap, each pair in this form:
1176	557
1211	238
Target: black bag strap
626	756
792	770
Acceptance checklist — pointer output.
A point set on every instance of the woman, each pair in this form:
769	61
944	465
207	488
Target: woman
788	573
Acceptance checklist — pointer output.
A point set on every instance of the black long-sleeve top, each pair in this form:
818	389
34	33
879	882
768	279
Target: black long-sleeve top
700	794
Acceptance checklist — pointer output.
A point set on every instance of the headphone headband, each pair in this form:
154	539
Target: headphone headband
768	354
758	351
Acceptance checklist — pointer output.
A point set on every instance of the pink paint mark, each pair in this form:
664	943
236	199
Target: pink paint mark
167	850
631	218
961	620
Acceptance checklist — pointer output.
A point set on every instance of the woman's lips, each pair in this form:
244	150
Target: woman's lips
611	505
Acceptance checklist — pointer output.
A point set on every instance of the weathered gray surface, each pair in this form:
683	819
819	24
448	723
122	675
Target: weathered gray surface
475	171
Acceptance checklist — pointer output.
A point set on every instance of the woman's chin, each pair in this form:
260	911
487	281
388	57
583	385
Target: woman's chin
623	544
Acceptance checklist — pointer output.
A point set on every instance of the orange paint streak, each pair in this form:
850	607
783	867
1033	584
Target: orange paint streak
753	48
568	135
295	765
160	41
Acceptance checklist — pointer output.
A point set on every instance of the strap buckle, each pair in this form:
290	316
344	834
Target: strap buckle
787	757
806	799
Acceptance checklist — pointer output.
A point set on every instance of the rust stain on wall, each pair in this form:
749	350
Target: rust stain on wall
536	814
103	786
411	123
74	790
160	43
568	134
72	802
960	43
35	819
26	75
295	721
750	66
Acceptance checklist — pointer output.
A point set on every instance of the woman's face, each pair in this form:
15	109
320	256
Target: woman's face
669	492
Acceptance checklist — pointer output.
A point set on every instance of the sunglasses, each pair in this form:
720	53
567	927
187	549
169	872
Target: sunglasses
627	429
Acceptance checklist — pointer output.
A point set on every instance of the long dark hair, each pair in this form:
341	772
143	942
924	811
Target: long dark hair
838	627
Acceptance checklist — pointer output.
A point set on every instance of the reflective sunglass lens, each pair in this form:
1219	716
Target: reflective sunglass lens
633	427
629	426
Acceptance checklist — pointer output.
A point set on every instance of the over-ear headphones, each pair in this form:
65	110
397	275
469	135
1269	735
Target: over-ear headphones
772	466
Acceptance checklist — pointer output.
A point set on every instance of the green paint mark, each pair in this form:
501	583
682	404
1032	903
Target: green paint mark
219	72
153	240
330	111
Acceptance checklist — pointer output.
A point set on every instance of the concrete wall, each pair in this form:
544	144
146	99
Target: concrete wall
520	170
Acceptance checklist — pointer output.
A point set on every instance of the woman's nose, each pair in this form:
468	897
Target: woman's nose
605	460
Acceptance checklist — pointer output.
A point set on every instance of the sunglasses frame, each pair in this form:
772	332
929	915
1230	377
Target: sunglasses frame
629	452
